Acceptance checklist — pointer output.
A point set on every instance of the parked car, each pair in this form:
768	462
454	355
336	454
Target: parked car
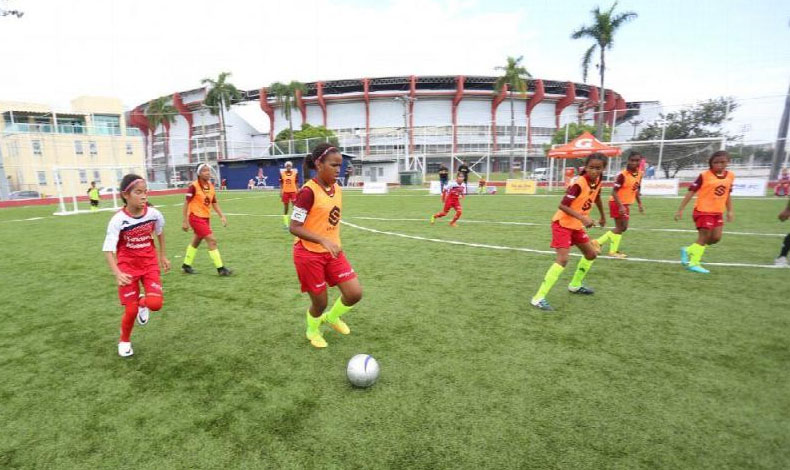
24	195
540	174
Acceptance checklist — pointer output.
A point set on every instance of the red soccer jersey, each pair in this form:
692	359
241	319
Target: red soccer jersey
453	192
131	238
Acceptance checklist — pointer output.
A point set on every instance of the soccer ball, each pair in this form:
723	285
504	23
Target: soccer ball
362	370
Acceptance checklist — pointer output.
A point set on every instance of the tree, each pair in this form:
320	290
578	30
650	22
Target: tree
515	77
602	31
307	137
220	96
160	112
701	120
285	97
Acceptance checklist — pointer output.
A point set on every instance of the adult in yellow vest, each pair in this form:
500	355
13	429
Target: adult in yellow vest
318	256
201	197
289	185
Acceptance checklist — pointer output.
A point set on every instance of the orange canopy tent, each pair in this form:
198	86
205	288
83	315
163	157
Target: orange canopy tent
582	146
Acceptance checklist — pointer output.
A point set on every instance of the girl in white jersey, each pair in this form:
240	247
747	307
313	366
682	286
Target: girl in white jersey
130	252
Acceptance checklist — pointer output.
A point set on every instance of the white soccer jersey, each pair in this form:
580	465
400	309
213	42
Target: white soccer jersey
132	237
453	190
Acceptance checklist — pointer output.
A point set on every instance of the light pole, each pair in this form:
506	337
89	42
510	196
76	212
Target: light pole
406	102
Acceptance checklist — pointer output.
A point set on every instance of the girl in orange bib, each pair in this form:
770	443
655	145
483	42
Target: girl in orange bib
318	256
567	228
625	191
289	185
713	189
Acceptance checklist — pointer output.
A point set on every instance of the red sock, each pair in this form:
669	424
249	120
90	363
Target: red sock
127	322
457	216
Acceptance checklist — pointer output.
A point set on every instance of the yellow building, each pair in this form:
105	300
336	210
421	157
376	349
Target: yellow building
39	145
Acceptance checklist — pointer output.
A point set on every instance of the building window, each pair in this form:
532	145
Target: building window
37	148
78	147
42	178
83	176
381	171
107	124
118	175
93	148
96	176
129	149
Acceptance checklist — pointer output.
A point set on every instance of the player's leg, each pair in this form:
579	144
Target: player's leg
697	249
620	226
458	211
614	213
350	295
561	242
128	295
590	253
216	258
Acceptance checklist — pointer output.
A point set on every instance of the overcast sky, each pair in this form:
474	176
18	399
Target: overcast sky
676	51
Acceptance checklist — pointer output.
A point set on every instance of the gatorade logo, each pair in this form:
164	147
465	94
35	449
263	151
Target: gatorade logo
583	144
334	216
720	190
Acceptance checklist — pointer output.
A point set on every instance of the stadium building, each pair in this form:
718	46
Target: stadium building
389	125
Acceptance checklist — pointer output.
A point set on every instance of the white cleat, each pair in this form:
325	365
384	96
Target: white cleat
142	314
125	349
781	261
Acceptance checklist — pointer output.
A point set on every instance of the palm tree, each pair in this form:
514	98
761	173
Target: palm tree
602	31
515	78
285	97
160	112
219	98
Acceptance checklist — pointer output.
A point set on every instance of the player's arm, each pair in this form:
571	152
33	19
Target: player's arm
599	204
639	199
785	214
302	206
573	192
160	238
690	194
185	211
615	188
730	212
110	244
222	217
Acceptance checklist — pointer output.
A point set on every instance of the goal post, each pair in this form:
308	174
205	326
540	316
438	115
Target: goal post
72	183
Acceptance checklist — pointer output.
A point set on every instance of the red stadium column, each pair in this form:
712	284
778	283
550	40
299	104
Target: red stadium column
498	99
620	108
591	103
366	97
412	97
609	106
321	102
267	108
459	95
184	111
300	104
137	119
564	102
537	98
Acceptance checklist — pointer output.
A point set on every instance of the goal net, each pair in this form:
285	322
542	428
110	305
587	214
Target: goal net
73	183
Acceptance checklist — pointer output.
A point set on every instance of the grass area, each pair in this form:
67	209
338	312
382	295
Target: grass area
661	368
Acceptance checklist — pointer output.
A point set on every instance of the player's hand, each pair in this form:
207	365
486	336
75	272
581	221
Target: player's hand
730	216
784	215
332	247
587	222
185	226
123	278
224	221
602	221
641	209
165	263
678	215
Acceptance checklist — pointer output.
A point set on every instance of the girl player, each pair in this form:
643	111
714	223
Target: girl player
624	193
567	228
318	256
453	192
712	188
131	254
289	182
201	197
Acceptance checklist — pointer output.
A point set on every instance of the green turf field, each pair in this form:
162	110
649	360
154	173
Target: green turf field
661	368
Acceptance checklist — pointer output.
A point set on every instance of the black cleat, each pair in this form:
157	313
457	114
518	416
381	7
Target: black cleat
223	271
582	290
187	269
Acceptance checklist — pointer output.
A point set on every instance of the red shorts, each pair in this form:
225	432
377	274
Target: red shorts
452	204
615	213
150	280
562	237
288	197
317	270
707	220
201	226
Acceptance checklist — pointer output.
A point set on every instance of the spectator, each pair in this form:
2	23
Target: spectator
443	175
650	171
349	174
464	171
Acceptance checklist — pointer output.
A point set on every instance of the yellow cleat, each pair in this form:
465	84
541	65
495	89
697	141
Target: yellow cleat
340	326
618	255
433	219
317	340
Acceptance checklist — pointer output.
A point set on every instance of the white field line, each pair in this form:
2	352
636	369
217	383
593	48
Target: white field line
533	224
547	252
